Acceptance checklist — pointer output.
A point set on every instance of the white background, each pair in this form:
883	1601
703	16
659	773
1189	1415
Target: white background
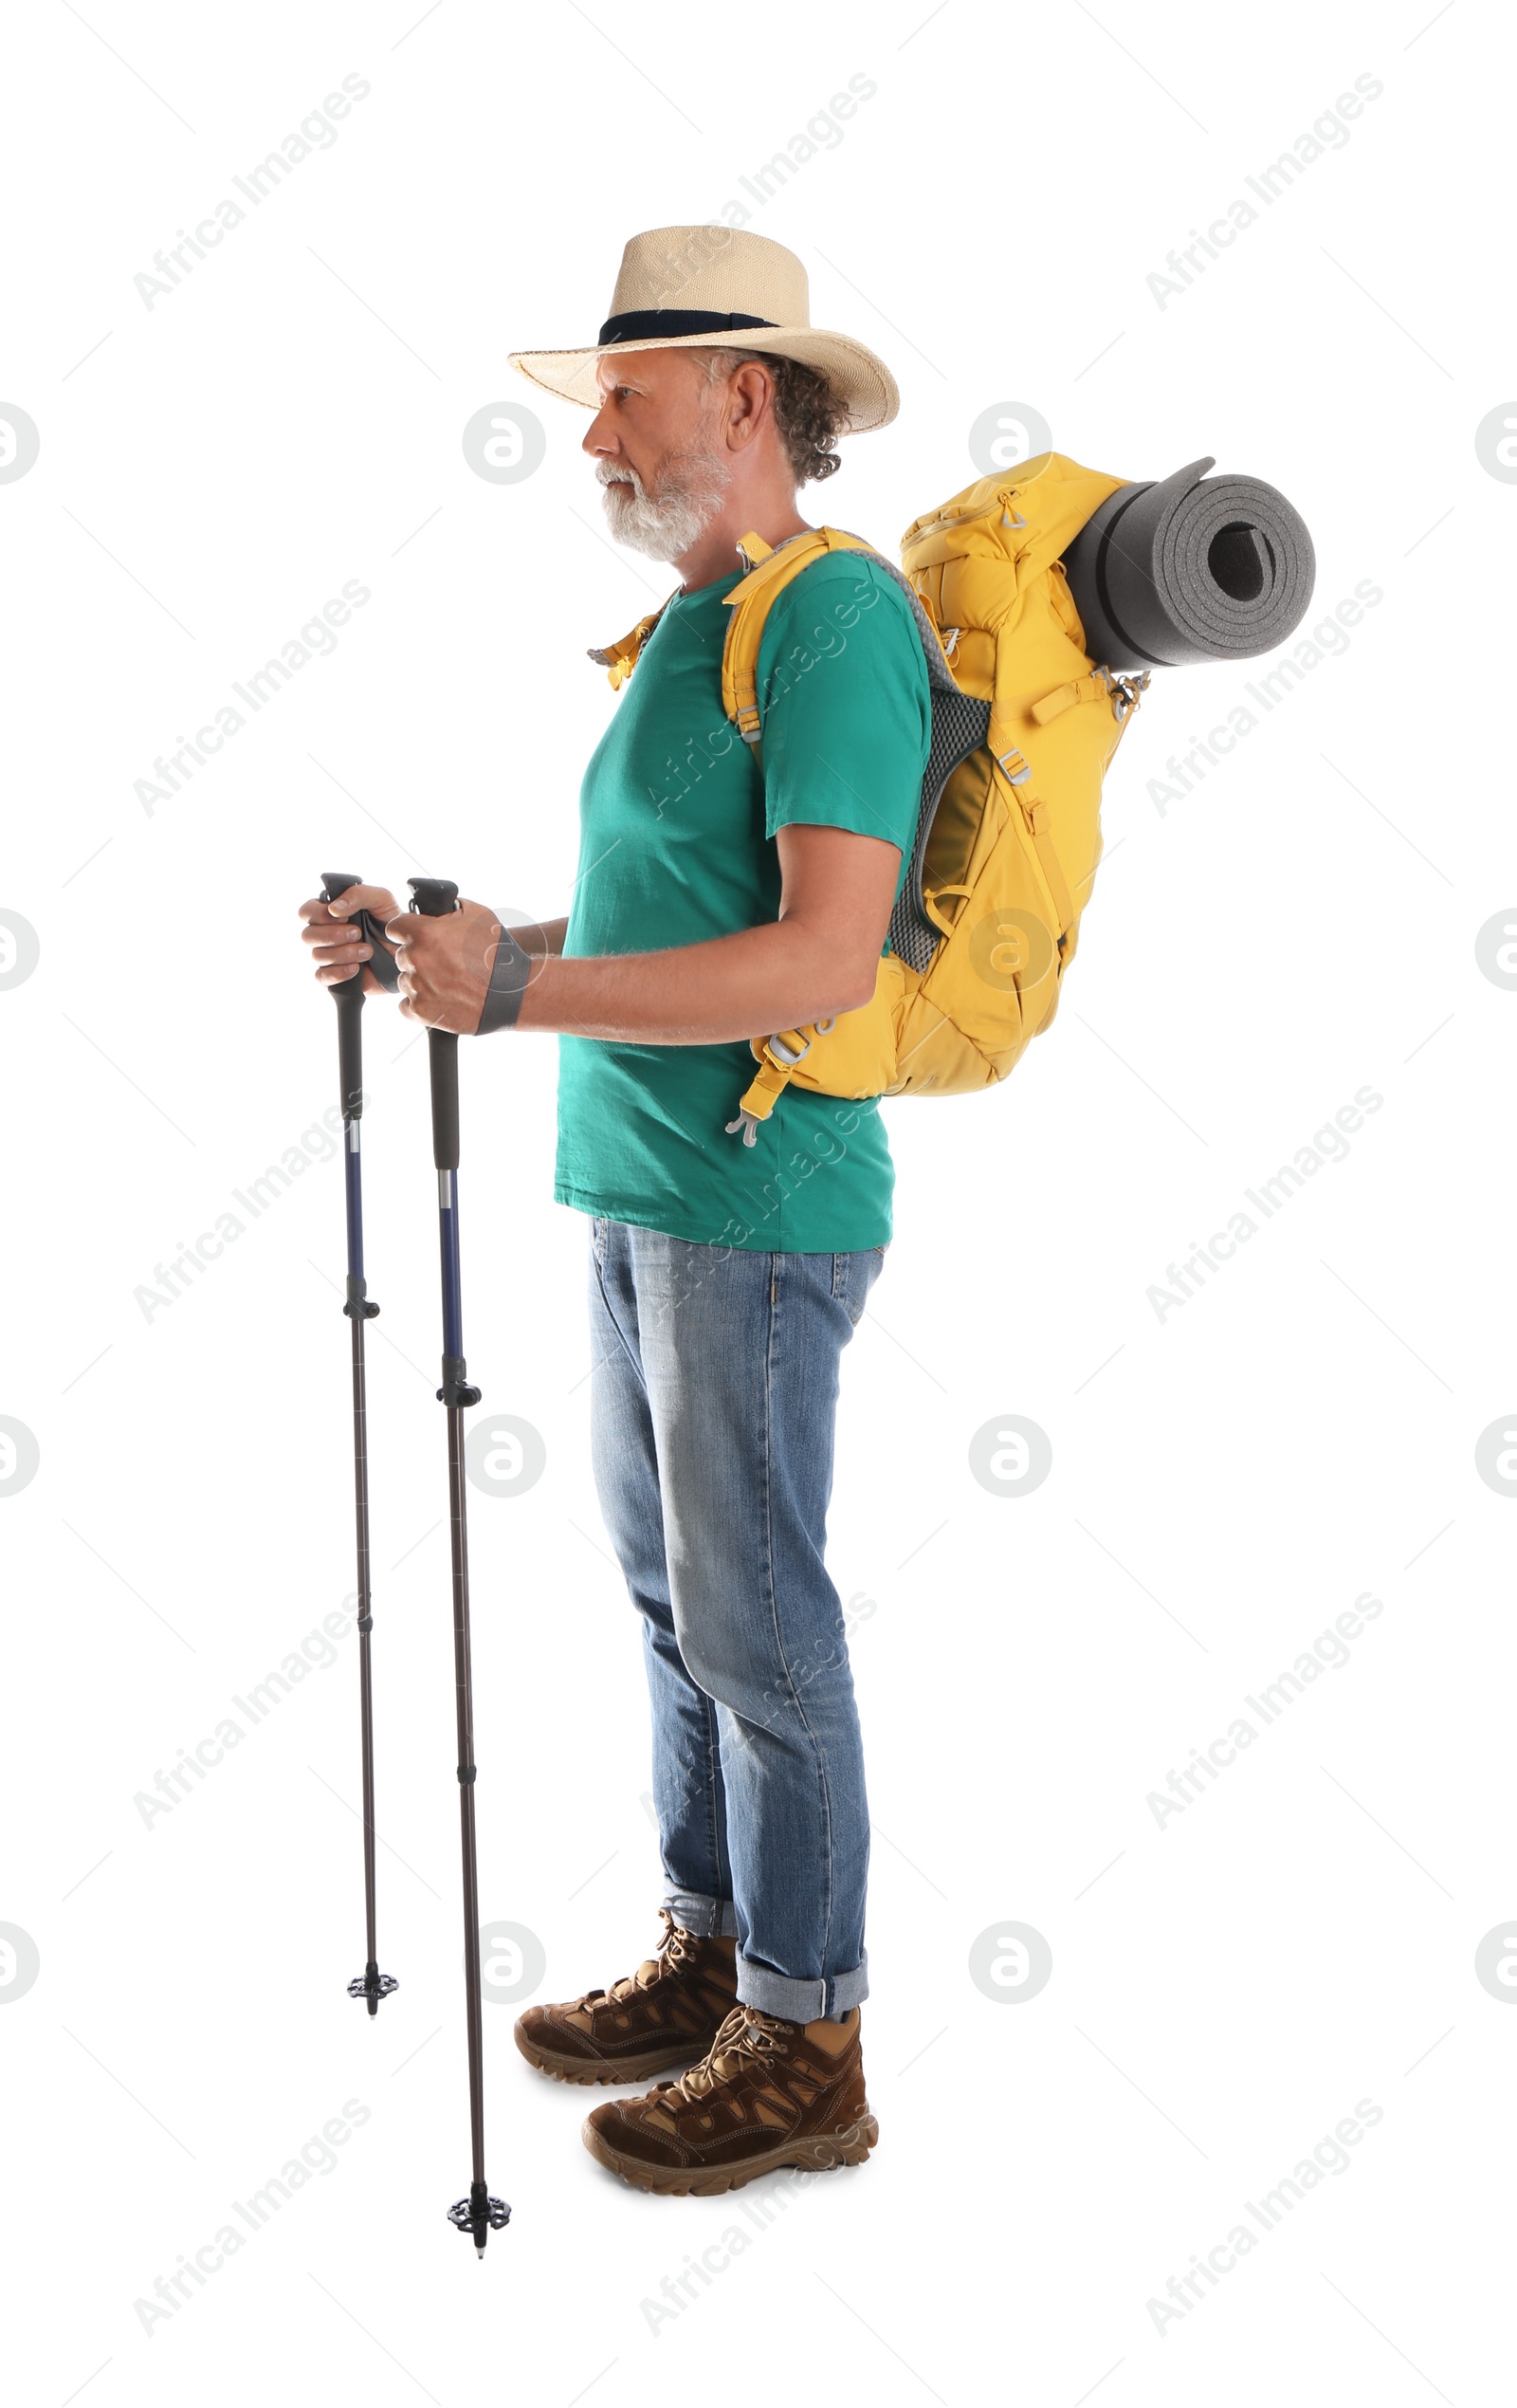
1226	1480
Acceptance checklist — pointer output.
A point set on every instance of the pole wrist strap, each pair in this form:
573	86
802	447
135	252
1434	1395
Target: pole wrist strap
508	983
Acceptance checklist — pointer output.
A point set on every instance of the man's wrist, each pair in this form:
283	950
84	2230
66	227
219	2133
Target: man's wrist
509	975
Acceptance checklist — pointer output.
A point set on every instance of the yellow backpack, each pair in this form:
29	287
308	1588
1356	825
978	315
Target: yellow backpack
1007	837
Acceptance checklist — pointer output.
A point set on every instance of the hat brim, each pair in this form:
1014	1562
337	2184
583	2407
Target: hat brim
862	382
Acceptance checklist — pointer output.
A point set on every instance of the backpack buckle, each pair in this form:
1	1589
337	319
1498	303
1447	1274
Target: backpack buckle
1014	777
790	1056
1126	692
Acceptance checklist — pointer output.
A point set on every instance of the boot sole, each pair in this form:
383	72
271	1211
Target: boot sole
816	2153
603	2070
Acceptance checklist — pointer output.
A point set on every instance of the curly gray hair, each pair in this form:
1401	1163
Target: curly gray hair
809	415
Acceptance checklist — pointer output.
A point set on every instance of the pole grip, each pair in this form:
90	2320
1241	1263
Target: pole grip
434	898
442	1051
348	997
336	882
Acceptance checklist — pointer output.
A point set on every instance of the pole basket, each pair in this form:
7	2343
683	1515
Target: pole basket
480	2214
373	1985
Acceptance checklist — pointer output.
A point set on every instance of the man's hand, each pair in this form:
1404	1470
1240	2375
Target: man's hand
338	946
444	964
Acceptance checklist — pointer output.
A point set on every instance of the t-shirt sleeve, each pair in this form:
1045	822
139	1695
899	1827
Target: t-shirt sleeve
845	704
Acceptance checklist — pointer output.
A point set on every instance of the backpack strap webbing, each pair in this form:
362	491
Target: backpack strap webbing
1016	769
620	659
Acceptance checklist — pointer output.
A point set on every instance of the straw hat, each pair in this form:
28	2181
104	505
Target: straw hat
688	288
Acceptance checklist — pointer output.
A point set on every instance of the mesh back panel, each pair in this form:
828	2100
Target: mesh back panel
960	726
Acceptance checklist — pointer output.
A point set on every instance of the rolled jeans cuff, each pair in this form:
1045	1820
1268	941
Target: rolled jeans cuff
702	1918
802	2001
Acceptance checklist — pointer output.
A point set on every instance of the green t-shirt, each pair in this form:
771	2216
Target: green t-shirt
677	845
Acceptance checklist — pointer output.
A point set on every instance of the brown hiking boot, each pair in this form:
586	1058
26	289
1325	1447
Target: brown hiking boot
766	2096
665	2015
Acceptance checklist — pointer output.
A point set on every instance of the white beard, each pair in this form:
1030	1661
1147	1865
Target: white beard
668	522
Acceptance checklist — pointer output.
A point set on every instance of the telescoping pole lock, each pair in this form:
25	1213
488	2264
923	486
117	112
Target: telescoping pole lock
479	2214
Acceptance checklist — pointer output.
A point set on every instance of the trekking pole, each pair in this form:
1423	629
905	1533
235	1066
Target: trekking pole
372	1985
479	2214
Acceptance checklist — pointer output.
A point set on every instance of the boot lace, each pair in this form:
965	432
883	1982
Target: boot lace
676	1951
747	2041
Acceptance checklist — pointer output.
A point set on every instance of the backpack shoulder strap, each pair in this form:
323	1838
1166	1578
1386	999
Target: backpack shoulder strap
620	659
769	572
769	569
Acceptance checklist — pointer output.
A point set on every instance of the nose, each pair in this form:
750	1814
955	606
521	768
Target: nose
600	437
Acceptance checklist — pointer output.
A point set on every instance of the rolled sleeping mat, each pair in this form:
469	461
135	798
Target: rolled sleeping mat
1189	569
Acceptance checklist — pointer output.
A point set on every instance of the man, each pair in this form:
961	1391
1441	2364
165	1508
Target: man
725	891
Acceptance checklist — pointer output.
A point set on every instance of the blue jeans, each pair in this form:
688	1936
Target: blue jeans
714	1396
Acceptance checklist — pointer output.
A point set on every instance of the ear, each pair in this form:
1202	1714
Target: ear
749	402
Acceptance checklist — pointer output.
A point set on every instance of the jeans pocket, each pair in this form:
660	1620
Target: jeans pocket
853	1277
